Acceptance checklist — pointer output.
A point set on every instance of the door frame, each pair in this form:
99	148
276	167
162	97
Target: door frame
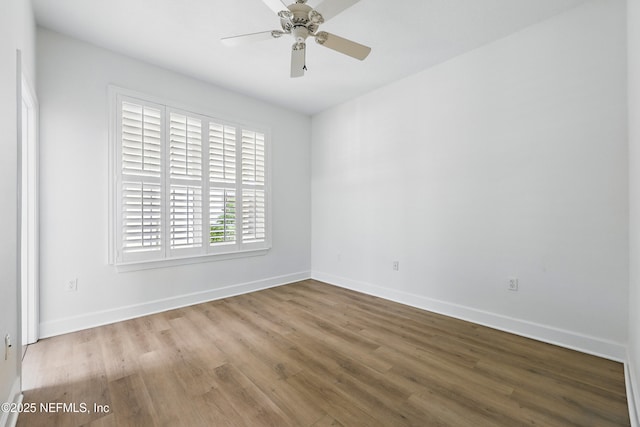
29	212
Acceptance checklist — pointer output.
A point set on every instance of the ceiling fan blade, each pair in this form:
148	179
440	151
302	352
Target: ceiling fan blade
330	8
342	45
298	63
249	38
275	5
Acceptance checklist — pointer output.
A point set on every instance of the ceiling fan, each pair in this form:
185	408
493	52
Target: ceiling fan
302	21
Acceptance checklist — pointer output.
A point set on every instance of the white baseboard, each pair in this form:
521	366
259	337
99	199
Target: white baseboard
575	341
85	321
633	393
9	419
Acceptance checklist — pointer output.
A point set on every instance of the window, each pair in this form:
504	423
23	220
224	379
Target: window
185	184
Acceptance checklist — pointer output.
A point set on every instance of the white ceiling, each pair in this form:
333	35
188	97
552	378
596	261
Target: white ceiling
184	36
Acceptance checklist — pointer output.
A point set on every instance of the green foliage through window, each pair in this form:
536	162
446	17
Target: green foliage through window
224	228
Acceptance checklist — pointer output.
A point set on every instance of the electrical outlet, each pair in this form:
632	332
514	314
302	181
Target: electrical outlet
513	284
396	265
72	285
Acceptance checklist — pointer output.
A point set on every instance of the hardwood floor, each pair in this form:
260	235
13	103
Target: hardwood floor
310	354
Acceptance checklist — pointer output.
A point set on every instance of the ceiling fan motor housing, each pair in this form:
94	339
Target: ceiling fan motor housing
300	20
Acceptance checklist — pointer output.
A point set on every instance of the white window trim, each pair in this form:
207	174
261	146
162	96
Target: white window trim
208	253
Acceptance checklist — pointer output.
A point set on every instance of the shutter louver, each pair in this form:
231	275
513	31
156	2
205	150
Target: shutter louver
141	217
222	153
222	210
186	217
185	147
253	216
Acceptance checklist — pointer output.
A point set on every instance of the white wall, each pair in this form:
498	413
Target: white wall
633	358
17	31
510	160
72	87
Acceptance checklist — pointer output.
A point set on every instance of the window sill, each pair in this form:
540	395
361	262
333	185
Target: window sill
126	267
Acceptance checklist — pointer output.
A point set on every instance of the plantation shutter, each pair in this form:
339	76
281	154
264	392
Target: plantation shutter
140	163
222	153
141	140
222	182
253	158
186	185
253	187
142	216
253	216
185	181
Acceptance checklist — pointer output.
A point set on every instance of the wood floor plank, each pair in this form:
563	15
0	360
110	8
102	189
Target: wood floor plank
598	400
327	421
166	390
120	359
249	401
359	348
131	398
335	401
301	411
311	354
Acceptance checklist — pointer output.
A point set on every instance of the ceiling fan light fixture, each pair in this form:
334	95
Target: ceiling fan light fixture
321	37
316	17
300	33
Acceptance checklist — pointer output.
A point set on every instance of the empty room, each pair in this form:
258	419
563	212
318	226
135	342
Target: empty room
320	213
